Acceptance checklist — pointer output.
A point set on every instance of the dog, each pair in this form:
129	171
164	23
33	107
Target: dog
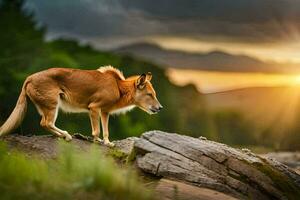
99	93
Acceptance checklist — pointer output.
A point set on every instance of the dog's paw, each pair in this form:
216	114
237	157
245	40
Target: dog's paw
68	137
109	144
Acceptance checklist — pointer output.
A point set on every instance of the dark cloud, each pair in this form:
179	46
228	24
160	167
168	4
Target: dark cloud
234	20
240	11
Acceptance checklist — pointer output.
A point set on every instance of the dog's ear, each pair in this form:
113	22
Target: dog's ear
149	76
140	82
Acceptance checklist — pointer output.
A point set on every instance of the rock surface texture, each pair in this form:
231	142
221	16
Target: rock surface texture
216	166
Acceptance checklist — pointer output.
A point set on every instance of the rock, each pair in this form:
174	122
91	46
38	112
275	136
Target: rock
202	138
291	159
170	189
126	145
46	146
216	166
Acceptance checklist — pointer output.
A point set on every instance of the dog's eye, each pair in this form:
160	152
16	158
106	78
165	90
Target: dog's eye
149	94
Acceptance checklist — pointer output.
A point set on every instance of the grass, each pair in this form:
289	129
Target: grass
73	175
117	154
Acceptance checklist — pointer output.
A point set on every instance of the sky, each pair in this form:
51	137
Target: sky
265	29
214	81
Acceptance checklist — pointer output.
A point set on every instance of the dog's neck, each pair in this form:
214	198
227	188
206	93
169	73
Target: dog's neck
127	91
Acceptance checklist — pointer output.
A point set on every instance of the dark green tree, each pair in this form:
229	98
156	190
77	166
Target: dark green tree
21	40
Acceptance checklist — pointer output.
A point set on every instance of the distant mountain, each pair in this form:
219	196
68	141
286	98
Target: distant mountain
215	60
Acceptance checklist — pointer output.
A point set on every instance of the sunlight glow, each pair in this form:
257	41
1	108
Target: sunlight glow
271	100
297	79
213	81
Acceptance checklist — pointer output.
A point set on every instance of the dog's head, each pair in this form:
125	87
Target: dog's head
145	96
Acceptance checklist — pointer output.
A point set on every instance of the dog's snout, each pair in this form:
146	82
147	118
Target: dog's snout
160	107
155	109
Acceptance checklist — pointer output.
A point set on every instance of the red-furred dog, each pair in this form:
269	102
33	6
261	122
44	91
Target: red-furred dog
99	92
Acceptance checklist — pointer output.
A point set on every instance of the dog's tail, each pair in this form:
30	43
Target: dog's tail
17	115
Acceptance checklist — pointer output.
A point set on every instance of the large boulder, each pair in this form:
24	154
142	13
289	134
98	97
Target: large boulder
216	166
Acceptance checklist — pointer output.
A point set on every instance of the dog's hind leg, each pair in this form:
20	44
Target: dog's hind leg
46	101
48	122
45	125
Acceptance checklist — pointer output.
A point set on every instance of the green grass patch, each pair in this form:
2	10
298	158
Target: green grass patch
117	154
132	156
73	175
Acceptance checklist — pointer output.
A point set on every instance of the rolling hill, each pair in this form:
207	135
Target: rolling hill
215	60
275	108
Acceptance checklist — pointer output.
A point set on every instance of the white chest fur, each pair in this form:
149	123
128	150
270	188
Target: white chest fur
69	108
122	110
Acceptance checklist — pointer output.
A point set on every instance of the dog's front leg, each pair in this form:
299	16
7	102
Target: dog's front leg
94	118
104	121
